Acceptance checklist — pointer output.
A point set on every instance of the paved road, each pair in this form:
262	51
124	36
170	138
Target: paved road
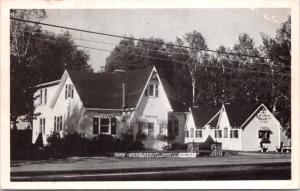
271	171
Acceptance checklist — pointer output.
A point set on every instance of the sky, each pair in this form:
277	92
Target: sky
218	26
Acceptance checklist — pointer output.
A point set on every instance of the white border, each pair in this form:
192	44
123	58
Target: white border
71	4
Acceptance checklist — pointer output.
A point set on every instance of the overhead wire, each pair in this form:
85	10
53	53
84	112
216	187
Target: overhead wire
168	60
147	49
143	40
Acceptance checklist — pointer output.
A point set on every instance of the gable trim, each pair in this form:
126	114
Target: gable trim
252	115
212	118
143	92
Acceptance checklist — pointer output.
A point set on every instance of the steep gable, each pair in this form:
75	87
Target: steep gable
105	90
264	112
204	115
237	114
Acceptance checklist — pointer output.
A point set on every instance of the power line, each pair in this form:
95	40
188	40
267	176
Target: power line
181	62
143	40
141	48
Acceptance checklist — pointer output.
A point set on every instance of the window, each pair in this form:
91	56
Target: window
152	90
198	133
41	96
95	125
264	134
218	133
104	125
161	129
186	133
234	134
45	97
226	132
69	91
42	125
192	132
150	129
58	123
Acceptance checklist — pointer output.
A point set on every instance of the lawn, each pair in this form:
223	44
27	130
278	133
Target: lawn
102	163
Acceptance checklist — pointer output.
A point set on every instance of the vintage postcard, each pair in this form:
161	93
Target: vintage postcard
141	94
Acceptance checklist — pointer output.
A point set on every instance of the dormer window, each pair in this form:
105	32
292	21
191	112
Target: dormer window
43	96
152	90
69	91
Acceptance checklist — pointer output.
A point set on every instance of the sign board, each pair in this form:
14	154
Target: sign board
187	155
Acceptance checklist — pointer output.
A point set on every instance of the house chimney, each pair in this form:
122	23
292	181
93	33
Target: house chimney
123	96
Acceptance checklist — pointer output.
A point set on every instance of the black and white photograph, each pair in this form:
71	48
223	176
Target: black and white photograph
150	94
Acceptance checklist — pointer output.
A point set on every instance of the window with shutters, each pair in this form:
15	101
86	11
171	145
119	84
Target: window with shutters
198	133
58	123
69	91
218	133
152	90
234	134
104	125
42	125
186	133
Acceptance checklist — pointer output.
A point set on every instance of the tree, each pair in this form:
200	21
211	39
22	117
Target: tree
198	59
37	56
279	48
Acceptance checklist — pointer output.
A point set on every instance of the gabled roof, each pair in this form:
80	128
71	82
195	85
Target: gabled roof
254	113
238	114
104	90
202	115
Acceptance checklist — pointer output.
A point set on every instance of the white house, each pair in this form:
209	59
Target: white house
237	127
110	103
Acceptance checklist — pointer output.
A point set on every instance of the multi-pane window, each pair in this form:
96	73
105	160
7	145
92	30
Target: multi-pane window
152	90
218	133
69	91
226	132
192	132
186	133
104	125
198	133
58	124
150	129
42	125
234	134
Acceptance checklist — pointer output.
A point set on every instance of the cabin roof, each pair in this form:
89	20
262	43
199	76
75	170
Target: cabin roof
202	115
105	91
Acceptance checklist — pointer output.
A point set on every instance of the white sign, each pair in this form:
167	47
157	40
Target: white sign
263	116
187	155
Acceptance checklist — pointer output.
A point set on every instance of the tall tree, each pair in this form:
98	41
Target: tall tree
198	59
279	48
37	56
